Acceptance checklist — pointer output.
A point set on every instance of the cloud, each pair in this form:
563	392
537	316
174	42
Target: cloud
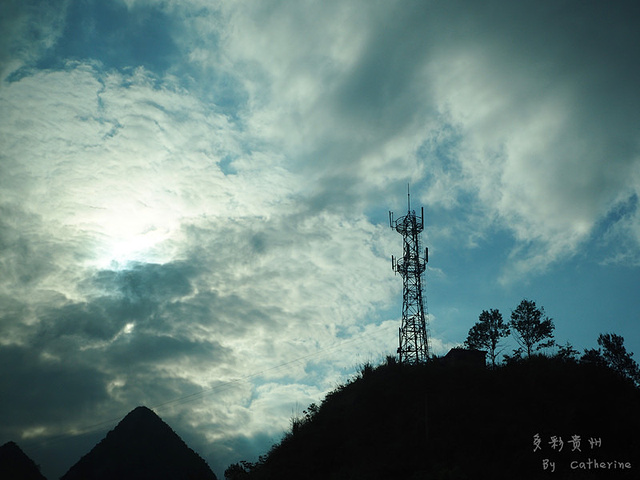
357	100
202	224
68	387
138	262
548	144
30	29
525	110
621	228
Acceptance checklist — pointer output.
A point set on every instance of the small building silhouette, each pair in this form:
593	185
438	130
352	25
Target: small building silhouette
465	356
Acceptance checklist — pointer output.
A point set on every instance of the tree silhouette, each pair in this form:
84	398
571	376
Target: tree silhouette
593	356
567	353
487	332
530	328
238	471
617	358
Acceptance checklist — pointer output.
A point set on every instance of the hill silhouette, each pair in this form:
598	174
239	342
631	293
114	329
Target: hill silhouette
141	447
441	421
16	465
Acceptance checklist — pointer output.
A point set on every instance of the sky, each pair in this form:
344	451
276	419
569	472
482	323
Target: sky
194	199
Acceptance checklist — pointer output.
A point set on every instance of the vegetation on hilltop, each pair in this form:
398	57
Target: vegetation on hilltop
444	421
439	421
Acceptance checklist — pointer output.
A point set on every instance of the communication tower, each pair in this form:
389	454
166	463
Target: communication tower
413	338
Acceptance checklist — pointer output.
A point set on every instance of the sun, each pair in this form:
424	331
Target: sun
129	228
119	251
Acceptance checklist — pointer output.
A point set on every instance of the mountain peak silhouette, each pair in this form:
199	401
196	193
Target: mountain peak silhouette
141	447
15	464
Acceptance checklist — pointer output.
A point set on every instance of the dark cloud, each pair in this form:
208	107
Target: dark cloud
26	255
100	357
136	294
161	349
27	377
580	51
226	315
139	281
382	92
86	322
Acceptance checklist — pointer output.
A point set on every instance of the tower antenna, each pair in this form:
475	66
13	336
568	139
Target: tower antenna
413	336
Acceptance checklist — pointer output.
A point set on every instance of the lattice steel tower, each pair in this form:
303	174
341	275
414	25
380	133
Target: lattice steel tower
414	340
